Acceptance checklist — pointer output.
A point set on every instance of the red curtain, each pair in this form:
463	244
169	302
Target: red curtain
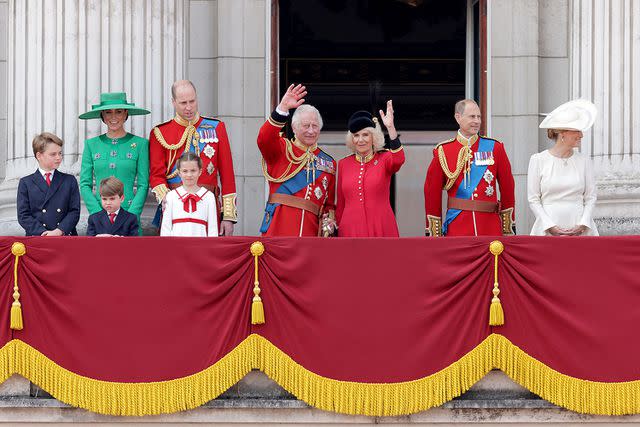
369	311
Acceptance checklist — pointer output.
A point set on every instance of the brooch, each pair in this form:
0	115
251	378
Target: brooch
489	190
209	151
134	145
488	176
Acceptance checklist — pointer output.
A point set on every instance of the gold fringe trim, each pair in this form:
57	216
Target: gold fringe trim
587	397
116	398
372	399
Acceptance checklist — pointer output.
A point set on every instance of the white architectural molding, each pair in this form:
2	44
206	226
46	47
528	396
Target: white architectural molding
605	57
63	54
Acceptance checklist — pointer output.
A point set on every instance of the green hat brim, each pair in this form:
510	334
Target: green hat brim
96	113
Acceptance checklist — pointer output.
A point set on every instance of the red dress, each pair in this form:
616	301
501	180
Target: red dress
363	208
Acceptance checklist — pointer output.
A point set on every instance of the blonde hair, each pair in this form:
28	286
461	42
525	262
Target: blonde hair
378	137
111	186
553	133
40	142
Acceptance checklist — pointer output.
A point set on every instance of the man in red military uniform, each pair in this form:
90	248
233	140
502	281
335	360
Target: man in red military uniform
301	176
468	167
206	137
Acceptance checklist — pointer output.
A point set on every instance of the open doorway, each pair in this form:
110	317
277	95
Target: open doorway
423	54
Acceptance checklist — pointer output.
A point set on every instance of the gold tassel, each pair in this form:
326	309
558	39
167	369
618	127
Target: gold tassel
18	249
257	309
496	314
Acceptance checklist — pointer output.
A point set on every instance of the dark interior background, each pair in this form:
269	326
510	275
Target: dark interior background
356	54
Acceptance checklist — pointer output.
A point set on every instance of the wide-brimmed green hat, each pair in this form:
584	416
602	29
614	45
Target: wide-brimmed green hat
113	101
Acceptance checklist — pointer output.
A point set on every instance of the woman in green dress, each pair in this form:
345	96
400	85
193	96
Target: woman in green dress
115	153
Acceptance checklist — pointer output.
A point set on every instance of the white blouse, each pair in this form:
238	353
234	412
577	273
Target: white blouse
562	192
201	222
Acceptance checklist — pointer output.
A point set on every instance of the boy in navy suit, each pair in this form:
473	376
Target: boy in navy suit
112	220
48	200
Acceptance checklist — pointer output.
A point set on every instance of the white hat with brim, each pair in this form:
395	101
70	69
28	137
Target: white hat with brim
578	114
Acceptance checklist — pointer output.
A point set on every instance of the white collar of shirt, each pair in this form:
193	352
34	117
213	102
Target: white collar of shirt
116	213
43	172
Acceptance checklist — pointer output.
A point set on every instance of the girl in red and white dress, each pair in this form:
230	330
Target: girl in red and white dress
190	210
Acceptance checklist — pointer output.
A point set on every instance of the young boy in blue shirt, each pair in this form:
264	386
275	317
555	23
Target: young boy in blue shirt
112	220
48	200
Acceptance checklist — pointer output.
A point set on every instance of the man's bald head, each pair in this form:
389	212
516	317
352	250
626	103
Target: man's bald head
179	84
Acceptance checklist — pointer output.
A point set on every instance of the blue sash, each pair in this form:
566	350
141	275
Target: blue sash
292	186
206	130
485	145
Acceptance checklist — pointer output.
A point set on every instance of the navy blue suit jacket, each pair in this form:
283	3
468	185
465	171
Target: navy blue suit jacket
126	224
42	207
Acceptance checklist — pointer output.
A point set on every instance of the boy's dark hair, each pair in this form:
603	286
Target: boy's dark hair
111	186
189	157
40	142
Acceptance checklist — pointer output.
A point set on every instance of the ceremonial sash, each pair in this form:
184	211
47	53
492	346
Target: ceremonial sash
465	192
290	187
206	132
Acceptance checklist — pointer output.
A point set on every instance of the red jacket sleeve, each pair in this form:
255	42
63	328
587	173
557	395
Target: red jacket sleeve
157	163
225	161
504	177
433	185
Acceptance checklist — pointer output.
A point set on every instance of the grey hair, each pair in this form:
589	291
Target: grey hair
376	132
462	104
304	108
178	83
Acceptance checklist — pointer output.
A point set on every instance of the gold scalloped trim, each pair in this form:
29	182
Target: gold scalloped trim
372	399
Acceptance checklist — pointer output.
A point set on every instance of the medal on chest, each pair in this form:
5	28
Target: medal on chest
483	158
210	168
209	151
488	177
318	193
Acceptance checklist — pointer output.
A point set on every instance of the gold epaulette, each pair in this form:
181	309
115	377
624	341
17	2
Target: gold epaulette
445	142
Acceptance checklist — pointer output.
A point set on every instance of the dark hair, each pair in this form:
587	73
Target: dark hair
189	157
104	111
40	142
111	186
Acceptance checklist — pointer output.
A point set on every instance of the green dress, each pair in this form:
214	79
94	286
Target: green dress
126	158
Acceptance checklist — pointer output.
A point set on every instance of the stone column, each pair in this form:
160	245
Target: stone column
62	55
605	66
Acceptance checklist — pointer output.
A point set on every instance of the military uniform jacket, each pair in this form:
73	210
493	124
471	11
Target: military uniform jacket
42	207
206	137
489	169
296	170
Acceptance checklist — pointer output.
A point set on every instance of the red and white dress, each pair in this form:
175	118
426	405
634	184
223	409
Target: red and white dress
190	215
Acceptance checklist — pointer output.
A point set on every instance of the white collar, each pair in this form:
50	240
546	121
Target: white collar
43	172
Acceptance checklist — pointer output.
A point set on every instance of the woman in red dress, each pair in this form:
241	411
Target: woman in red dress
363	208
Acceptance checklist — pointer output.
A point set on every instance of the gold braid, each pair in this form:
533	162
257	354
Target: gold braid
463	156
190	134
301	161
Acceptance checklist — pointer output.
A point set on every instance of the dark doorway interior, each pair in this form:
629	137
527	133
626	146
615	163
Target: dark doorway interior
356	54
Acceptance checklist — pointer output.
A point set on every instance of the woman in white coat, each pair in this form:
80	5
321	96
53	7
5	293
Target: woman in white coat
560	184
